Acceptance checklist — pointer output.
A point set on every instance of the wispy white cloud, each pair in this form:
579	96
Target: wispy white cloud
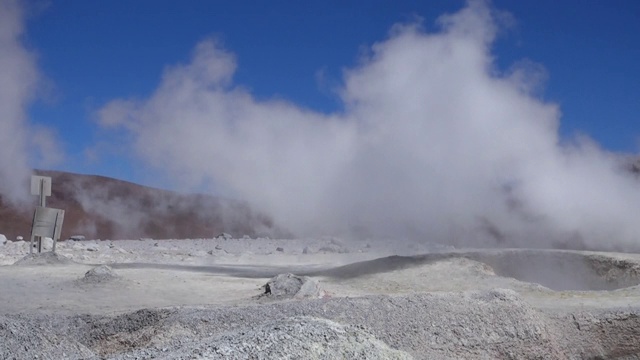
434	143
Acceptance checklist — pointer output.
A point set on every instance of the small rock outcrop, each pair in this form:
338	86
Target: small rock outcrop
100	274
292	286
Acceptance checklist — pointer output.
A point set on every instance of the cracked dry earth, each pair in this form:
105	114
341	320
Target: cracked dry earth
204	299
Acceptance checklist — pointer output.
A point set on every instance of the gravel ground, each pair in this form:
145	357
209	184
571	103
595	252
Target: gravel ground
494	324
441	305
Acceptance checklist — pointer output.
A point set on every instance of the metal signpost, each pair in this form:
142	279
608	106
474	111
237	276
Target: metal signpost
47	222
41	185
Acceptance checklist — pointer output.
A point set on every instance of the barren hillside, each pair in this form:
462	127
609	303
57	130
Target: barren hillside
105	208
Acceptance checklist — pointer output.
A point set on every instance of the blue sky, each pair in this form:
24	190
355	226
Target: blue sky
419	118
91	52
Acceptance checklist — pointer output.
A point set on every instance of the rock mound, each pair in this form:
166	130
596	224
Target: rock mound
45	258
100	274
494	324
291	286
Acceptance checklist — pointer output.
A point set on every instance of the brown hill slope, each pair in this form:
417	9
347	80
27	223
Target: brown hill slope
105	208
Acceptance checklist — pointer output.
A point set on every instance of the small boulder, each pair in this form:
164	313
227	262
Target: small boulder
224	236
93	247
292	286
280	249
334	249
77	237
3	239
100	274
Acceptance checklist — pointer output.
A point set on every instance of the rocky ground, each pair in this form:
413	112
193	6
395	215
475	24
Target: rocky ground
323	298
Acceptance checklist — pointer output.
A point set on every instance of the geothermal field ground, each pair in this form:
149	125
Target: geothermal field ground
322	298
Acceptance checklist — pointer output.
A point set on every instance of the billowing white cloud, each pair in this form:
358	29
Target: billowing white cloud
434	143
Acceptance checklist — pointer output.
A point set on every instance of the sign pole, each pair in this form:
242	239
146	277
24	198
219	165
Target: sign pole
43	198
42	203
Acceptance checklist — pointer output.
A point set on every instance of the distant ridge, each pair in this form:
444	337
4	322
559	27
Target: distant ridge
99	207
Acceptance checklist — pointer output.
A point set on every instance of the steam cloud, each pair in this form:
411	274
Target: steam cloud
434	143
21	144
18	77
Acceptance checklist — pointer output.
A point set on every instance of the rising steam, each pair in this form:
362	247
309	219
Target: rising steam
17	78
433	143
22	144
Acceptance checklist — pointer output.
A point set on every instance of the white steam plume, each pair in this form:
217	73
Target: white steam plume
434	143
18	78
21	144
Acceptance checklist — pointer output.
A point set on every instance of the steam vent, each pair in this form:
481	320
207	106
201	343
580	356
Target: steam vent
319	180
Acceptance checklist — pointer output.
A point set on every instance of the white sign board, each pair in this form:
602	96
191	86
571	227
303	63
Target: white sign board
40	183
47	222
